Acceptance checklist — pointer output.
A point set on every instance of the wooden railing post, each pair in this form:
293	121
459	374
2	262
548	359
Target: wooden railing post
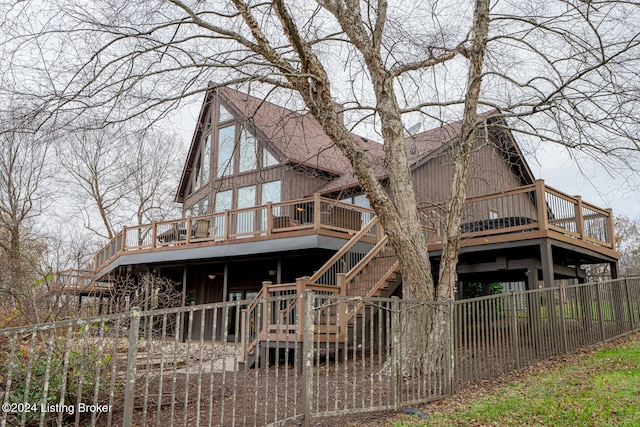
541	204
610	231
154	234
579	217
301	286
124	240
267	294
341	282
188	236
269	218
317	217
227	216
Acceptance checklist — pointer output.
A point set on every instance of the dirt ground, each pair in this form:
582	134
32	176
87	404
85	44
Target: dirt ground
225	405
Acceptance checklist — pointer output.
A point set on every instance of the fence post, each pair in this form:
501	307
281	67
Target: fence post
629	307
451	362
563	319
396	352
132	354
599	303
515	337
307	351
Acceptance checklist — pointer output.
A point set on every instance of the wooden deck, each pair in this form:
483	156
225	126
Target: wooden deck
530	212
78	282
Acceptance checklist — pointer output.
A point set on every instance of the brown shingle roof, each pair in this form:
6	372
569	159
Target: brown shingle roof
298	137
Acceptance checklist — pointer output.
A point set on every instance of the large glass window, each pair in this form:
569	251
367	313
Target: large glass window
359	200
248	152
246	196
246	199
204	206
226	136
206	159
196	182
271	192
223	202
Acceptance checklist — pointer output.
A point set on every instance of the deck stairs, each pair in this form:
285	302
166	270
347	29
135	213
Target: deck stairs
366	266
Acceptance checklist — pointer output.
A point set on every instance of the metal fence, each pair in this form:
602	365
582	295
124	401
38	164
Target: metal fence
308	356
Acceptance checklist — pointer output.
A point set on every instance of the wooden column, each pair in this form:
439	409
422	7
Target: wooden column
546	257
614	269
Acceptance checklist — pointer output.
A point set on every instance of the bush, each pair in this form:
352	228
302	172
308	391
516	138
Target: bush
36	369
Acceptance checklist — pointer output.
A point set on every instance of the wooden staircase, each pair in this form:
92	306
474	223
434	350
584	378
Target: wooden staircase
366	266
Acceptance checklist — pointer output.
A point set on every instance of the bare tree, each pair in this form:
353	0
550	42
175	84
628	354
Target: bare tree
95	169
627	232
560	71
153	171
116	174
23	196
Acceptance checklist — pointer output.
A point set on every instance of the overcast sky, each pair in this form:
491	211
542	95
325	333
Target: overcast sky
589	179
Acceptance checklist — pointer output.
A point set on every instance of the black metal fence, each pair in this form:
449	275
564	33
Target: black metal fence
303	356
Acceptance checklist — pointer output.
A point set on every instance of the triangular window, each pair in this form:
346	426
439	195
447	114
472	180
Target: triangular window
268	159
225	115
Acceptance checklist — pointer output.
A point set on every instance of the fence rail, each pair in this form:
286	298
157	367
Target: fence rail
181	366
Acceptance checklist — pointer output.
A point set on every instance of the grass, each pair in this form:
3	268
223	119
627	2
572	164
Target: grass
600	389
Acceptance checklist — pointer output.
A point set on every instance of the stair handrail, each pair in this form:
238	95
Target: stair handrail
367	258
338	255
244	318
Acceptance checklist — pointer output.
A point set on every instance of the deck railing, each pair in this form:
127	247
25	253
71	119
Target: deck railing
535	207
312	213
73	281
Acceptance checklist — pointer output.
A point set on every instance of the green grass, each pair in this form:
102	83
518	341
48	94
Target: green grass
602	389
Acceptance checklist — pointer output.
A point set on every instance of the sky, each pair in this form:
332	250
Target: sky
589	179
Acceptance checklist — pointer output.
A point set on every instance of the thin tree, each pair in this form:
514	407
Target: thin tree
23	196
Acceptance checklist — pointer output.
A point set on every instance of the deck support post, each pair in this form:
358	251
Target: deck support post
546	257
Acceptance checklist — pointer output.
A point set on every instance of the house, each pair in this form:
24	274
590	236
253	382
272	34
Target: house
270	206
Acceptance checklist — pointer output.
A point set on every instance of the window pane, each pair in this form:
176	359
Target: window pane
204	205
271	192
248	154
268	159
361	201
246	196
246	199
223	200
224	114
206	159
196	183
225	150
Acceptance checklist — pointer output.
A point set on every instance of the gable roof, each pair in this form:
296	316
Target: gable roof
428	144
299	139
